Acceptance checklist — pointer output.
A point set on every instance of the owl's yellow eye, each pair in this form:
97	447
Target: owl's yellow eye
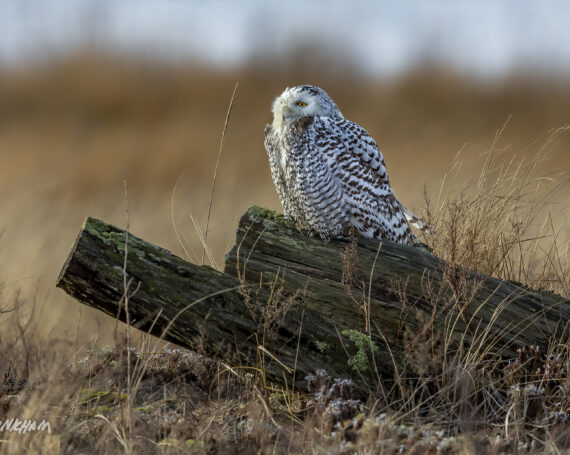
301	104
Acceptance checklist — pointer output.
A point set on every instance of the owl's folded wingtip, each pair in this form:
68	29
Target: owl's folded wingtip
416	221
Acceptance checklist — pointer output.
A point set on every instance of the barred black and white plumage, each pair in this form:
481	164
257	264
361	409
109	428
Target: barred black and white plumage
328	171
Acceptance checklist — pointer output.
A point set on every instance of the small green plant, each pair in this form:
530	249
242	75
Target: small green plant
364	346
322	346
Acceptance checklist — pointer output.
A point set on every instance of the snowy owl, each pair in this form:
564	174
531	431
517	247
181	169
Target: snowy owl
329	172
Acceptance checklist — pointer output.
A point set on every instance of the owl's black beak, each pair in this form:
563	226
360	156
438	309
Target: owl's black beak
287	112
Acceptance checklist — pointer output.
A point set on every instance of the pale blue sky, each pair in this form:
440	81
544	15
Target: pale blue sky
382	38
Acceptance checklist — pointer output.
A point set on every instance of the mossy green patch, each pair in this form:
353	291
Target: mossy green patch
274	216
152	407
92	412
100	396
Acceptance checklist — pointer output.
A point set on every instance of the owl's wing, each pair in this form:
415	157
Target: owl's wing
369	153
359	164
343	141
358	142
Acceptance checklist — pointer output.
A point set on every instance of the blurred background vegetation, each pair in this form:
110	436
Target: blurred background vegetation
88	94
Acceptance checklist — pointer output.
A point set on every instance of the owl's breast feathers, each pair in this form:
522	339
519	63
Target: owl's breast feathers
308	189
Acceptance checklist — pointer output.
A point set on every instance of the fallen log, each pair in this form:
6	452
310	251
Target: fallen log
288	304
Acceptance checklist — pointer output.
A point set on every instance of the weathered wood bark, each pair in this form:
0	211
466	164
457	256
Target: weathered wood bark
292	304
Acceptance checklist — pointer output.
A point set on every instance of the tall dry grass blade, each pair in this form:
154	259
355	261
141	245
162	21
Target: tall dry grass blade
195	302
178	236
297	351
207	249
126	284
216	170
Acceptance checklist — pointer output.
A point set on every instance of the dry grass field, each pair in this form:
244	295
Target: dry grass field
487	163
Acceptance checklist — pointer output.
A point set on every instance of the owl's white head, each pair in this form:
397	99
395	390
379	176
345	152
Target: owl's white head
302	101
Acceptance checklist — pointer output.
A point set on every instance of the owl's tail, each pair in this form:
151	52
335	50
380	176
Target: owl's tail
416	221
420	224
